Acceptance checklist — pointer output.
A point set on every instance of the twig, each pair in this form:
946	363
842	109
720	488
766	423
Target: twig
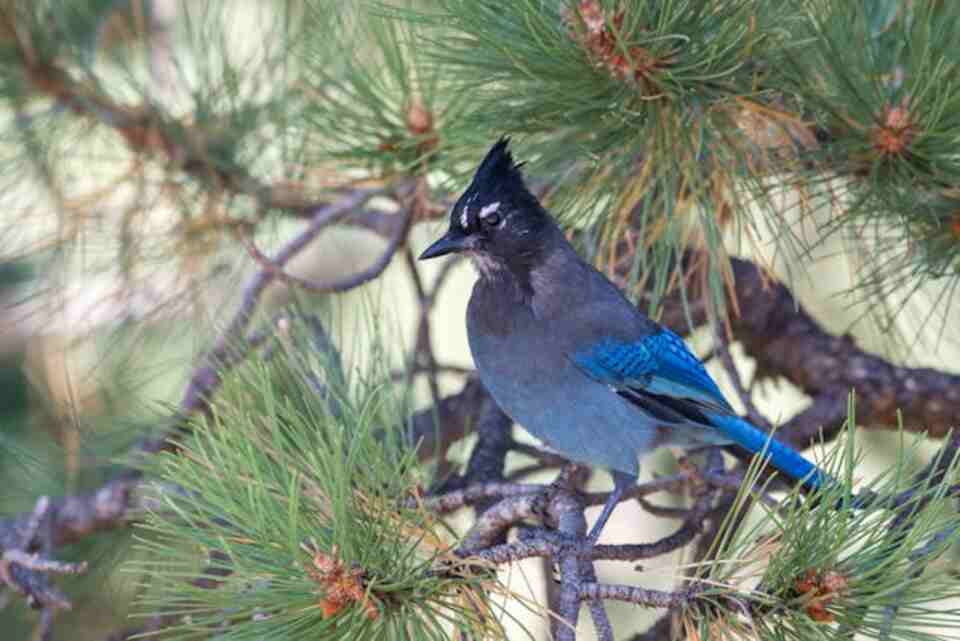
567	511
147	130
722	348
663	511
512	552
489	456
454	500
691	527
275	267
598	612
672	483
26	572
423	358
634	594
491	525
35	563
225	352
232	346
435	429
445	270
494	439
44	628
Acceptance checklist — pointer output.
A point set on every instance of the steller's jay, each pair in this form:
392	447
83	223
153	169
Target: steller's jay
567	356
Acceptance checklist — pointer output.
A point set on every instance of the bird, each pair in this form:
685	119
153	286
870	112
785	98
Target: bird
566	355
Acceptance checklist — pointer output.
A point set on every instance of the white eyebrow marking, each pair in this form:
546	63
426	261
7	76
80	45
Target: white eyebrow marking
489	209
465	218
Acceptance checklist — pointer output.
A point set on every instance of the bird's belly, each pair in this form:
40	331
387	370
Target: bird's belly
576	416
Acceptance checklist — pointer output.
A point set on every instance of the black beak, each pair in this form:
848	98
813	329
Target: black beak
450	243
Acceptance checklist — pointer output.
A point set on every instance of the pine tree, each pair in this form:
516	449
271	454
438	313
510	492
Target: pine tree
211	211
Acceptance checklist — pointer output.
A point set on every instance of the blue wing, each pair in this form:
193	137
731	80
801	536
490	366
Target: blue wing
663	378
659	364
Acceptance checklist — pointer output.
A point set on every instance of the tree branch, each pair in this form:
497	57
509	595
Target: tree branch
633	594
787	342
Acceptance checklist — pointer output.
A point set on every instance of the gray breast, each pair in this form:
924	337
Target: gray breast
529	374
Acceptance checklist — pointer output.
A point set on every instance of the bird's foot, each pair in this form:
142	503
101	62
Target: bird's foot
594	535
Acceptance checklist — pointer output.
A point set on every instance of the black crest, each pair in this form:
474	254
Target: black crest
499	178
498	172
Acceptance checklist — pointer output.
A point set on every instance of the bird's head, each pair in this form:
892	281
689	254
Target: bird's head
496	220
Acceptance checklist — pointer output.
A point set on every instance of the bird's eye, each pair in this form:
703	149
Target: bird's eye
492	219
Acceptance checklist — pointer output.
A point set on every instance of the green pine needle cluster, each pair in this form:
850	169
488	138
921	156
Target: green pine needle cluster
291	514
628	109
829	566
682	120
380	109
882	80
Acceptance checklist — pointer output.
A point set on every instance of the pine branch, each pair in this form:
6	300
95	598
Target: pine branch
146	130
276	270
28	573
120	502
633	594
71	518
788	342
232	346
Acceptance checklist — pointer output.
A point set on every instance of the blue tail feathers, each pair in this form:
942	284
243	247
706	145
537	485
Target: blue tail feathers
781	456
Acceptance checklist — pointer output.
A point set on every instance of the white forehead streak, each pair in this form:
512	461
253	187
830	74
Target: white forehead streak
489	209
465	218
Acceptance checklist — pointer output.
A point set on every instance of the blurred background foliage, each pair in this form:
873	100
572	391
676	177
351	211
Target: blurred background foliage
150	150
